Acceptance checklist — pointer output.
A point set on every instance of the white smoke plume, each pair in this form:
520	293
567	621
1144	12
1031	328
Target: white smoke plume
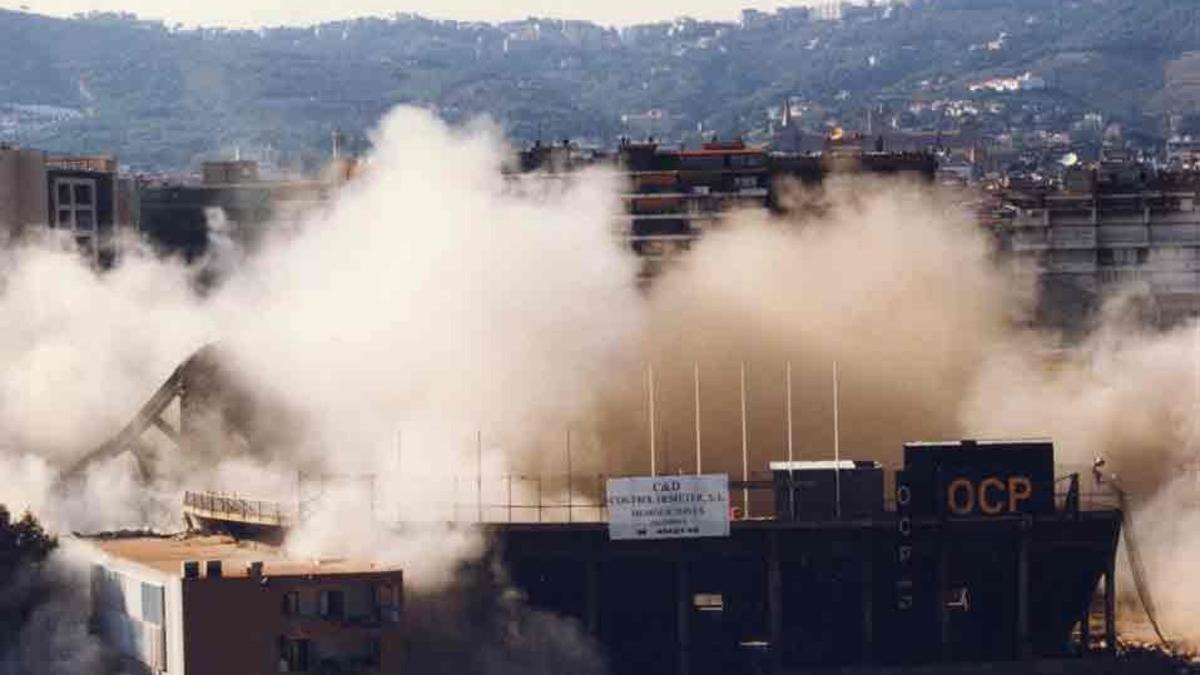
434	298
437	317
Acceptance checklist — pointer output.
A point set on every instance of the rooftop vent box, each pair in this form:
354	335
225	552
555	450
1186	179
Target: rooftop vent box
825	490
212	569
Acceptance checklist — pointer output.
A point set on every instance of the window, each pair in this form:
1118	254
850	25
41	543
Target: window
293	655
387	601
701	162
747	161
374	651
708	602
75	208
333	604
1123	256
152	604
291	603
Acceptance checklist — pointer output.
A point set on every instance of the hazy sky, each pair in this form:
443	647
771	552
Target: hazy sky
271	12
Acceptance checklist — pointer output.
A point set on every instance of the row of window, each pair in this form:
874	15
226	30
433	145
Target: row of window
117	592
331	604
1126	257
300	655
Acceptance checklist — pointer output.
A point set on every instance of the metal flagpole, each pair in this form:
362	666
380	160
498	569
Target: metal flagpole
696	380
837	449
653	455
790	456
570	496
400	466
745	452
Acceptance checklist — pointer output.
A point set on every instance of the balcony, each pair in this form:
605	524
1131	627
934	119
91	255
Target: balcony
1175	234
1123	235
1066	237
230	508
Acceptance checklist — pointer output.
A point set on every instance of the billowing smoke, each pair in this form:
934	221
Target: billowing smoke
890	281
436	300
50	632
1131	397
438	319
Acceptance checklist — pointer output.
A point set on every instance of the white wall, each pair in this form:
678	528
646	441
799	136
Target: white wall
123	604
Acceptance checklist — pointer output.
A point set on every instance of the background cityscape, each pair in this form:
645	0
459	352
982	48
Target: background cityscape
1027	80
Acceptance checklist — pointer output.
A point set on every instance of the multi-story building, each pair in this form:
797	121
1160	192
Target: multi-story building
82	196
1119	226
209	605
1183	152
676	194
180	217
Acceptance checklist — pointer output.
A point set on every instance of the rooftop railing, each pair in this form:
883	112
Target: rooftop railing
221	506
532	499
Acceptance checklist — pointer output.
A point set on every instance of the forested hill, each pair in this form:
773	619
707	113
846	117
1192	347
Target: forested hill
162	97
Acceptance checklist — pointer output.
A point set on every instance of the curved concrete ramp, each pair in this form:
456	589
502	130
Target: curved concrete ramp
128	439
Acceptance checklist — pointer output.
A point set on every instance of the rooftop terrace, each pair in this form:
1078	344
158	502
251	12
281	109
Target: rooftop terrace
168	553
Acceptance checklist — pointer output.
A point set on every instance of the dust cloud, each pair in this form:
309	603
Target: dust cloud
435	298
891	281
438	318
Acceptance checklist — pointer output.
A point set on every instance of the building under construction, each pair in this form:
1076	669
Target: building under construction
977	553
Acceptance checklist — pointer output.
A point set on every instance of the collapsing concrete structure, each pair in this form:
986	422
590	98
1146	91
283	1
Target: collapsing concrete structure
1005	573
974	557
214	405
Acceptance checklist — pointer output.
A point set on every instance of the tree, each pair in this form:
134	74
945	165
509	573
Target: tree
22	543
24	546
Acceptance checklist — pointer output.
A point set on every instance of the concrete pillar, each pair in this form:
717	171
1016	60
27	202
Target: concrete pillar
1110	605
867	556
943	582
591	575
1024	648
775	604
683	615
1085	626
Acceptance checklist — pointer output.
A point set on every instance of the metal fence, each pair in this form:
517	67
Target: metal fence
520	498
233	508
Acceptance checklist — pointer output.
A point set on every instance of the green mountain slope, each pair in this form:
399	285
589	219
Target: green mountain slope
163	98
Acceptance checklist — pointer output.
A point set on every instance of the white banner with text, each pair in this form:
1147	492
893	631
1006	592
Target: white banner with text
668	507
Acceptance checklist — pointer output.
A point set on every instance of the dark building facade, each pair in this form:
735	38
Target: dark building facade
82	197
676	194
231	200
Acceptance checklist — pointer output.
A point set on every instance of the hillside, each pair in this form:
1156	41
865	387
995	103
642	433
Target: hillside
162	97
